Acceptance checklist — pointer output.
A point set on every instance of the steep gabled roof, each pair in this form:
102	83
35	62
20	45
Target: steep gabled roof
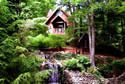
59	17
58	8
49	13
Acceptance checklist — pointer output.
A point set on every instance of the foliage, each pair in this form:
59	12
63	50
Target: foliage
15	26
108	18
13	60
42	76
82	63
50	41
79	63
69	32
23	79
33	9
71	64
20	49
37	77
83	60
64	56
115	67
35	26
4	81
95	72
28	9
22	28
3	34
5	14
18	20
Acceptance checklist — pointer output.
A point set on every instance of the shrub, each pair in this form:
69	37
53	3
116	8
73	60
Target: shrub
3	34
79	63
70	55
84	61
35	41
42	76
33	78
56	41
20	49
116	67
71	64
95	72
50	41
4	81
24	78
61	56
106	70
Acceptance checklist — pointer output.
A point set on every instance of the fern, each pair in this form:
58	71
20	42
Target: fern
25	78
41	77
3	81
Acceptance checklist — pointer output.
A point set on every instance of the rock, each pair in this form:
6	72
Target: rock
76	77
121	79
118	80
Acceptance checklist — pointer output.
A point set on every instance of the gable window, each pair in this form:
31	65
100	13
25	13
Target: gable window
59	13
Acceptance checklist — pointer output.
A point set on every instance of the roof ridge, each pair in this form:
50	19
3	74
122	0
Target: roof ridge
54	12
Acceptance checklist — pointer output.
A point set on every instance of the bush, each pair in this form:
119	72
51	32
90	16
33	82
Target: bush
24	78
106	70
42	76
61	56
50	41
56	41
20	50
14	62
33	78
77	64
35	41
4	81
116	68
71	64
84	60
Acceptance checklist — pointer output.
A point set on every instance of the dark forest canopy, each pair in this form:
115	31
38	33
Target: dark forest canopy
109	17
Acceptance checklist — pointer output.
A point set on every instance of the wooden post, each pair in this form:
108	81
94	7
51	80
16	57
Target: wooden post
64	27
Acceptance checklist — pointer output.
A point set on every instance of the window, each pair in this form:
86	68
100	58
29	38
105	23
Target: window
59	13
59	27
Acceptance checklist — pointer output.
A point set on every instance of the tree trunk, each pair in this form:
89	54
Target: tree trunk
70	9
89	31
73	8
123	34
92	60
91	39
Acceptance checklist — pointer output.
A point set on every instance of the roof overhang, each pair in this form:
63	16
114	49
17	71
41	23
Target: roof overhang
58	17
58	8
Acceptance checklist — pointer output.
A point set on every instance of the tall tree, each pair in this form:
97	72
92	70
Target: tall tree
85	9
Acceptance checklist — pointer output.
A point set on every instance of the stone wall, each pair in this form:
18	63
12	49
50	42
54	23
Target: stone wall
76	77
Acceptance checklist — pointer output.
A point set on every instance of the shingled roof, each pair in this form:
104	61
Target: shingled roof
49	17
